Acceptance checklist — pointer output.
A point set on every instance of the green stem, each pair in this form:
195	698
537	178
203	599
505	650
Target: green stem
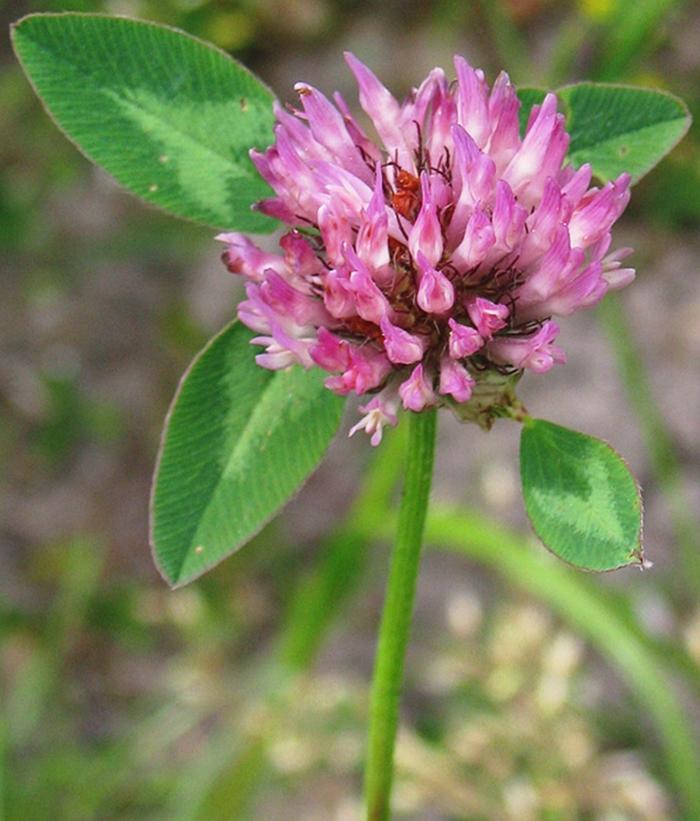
319	598
230	775
396	617
592	611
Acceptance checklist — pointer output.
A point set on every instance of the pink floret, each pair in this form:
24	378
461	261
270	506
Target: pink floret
416	264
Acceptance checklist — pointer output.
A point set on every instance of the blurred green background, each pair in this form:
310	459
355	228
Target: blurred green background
533	691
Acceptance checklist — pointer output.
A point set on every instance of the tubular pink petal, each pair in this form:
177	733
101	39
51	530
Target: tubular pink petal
488	317
472	101
336	233
614	275
479	238
283	349
440	248
455	380
329	129
276	209
242	256
436	294
466	153
358	136
367	369
546	273
373	236
577	183
371	303
349	194
284	299
619	277
330	352
434	110
381	107
528	160
402	348
299	256
464	340
508	218
416	392
504	106
536	352
597	211
426	234
253	312
547	216
275	358
338	295
378	412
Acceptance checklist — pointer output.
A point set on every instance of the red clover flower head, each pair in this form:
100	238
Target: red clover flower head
425	268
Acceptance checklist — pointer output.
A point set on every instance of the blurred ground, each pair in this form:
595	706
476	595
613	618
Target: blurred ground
115	691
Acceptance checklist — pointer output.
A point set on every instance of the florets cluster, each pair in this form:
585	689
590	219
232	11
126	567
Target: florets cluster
422	263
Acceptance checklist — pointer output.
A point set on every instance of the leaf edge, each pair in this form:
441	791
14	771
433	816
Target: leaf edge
687	116
182	581
637	557
269	224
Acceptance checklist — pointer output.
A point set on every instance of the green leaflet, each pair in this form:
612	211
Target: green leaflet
171	117
615	128
621	128
238	443
580	496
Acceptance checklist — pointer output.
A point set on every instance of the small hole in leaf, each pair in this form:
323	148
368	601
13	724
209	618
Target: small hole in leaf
623	151
244	104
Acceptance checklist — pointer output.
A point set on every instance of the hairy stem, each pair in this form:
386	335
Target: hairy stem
396	617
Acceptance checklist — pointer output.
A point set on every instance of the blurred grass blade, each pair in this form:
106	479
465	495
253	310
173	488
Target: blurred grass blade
589	613
169	116
238	442
659	443
3	764
573	35
630	32
39	679
315	605
507	40
590	610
